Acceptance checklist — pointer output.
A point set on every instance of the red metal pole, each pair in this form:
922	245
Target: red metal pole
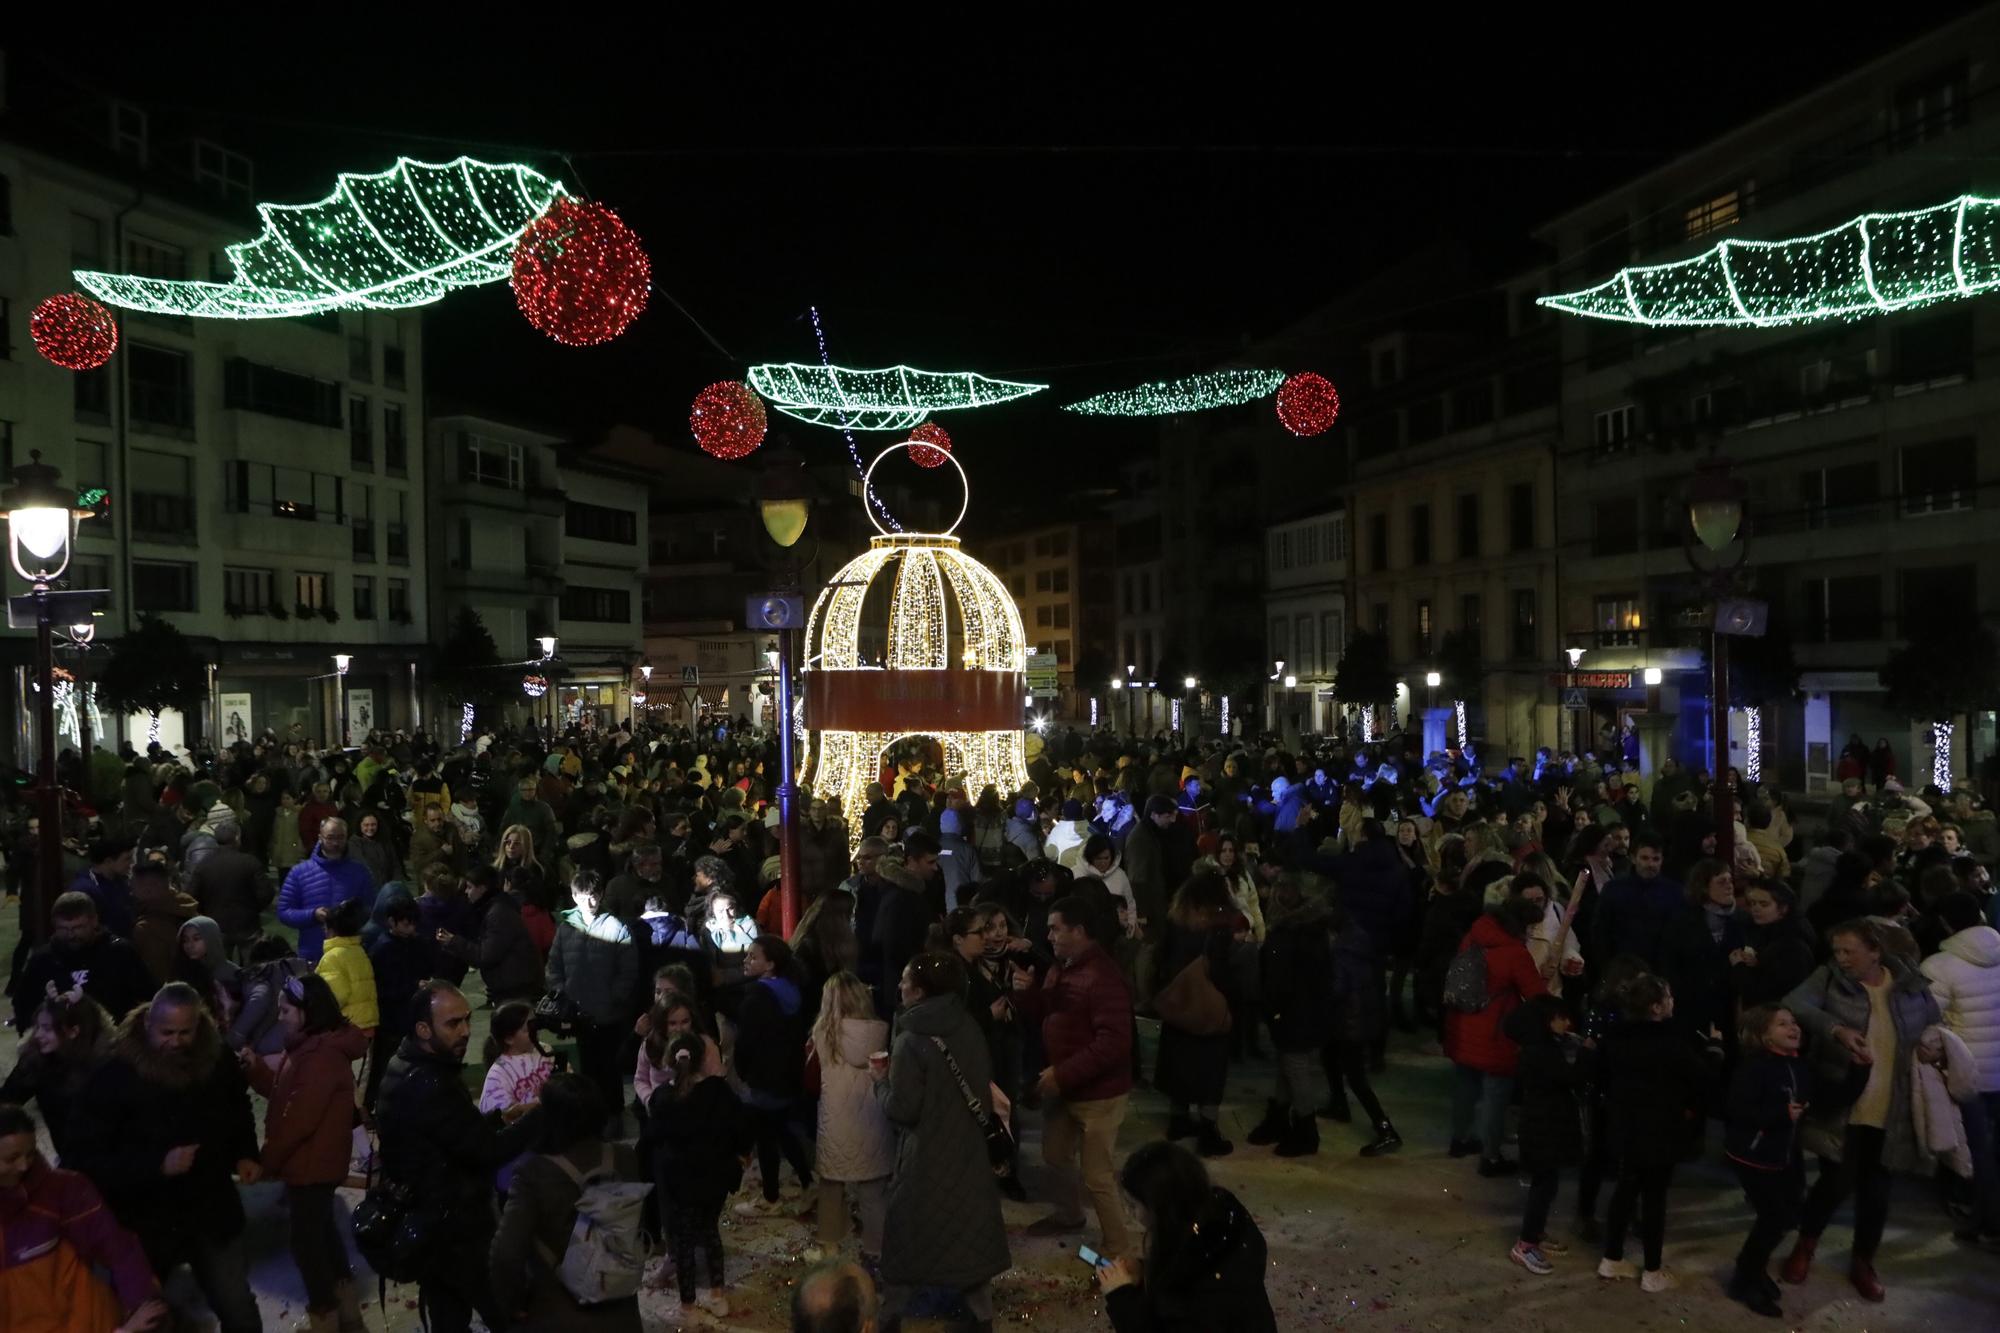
48	847
788	790
1725	808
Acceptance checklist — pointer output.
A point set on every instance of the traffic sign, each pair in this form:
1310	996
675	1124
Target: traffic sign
1043	679
1574	699
690	675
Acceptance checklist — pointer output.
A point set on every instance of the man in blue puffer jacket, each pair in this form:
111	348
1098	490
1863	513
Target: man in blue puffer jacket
320	883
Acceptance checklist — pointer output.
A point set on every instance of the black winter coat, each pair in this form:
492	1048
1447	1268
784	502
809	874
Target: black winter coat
1762	1133
131	1112
1550	1074
1209	1280
1784	959
1656	1082
503	951
771	1038
435	1140
1297	979
1359	1011
1698	969
1375	889
698	1142
108	968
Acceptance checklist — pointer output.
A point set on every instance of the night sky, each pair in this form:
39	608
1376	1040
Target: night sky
1089	207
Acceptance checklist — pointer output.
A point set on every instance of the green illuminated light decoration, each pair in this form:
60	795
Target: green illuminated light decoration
399	238
896	398
1874	264
89	497
1195	393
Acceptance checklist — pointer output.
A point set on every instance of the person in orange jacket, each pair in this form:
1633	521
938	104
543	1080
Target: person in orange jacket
54	1229
308	1137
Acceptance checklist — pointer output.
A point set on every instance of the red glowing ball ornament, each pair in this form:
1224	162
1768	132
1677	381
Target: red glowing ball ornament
931	445
728	419
74	331
580	275
1308	404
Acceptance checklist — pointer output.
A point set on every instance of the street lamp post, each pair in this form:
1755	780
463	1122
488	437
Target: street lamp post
784	505
341	661
1188	726
41	525
1715	518
547	643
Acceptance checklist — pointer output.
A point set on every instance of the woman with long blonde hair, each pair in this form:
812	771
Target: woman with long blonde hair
856	1151
519	871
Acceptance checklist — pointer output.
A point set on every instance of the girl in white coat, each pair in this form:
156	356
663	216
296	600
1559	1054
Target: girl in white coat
856	1150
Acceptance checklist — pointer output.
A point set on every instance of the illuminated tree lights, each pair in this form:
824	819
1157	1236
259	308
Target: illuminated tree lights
399	238
1308	404
1873	264
895	398
728	420
73	331
1941	755
580	275
929	444
1753	745
1195	393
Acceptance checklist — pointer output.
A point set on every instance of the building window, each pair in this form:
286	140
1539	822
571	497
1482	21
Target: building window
312	590
395	445
251	387
360	434
364	596
1521	516
162	496
1281	641
392	367
93	465
398	534
246	592
1059	544
1523	625
1843	610
1935	595
399	600
600	523
1613	429
1839	496
163	585
487	462
1332	637
155	259
1062	652
1126	587
360	365
128	131
1615	529
1061	581
1382	619
90	571
1045	617
1468	527
1017	584
93	395
1062	616
1421	645
1420	534
7	448
603	606
1933	106
1471	618
1937	477
364	521
1044	580
227	173
1378	542
160	387
1619	622
1146	582
1932	349
1712	214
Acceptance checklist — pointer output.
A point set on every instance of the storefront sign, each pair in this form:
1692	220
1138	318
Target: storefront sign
360	715
239	723
1591	680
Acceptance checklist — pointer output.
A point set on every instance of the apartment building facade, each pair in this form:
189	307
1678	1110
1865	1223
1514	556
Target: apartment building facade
1061	576
264	479
1870	449
1305	607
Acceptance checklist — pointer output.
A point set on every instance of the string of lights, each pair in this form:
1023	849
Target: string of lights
891	398
847	433
1872	264
395	239
1191	393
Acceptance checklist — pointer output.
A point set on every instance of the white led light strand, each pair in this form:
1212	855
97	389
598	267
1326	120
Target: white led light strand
1941	756
1192	393
1753	744
1873	264
389	240
893	398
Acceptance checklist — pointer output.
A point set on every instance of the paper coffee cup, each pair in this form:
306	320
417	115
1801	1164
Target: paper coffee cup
878	1060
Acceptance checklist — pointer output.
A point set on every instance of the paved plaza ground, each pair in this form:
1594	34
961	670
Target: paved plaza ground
1406	1244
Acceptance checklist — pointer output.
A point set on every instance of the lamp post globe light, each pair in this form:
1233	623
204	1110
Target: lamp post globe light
1715	505
41	529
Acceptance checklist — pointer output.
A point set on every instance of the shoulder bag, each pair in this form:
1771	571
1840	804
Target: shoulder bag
1000	1150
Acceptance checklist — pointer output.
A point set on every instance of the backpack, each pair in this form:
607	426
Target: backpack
605	1254
1465	981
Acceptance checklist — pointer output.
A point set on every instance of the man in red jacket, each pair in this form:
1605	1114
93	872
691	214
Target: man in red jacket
1085	1010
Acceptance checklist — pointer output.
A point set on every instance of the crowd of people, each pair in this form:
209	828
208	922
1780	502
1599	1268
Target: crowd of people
1604	974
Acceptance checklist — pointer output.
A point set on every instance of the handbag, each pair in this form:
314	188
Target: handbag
393	1231
1000	1149
1190	1003
556	1012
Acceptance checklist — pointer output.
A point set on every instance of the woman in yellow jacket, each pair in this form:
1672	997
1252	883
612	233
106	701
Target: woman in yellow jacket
345	966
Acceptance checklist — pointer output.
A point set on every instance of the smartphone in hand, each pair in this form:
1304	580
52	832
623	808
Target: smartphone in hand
1092	1257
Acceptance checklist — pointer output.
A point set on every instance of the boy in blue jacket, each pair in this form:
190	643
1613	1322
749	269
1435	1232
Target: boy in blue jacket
1768	1095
